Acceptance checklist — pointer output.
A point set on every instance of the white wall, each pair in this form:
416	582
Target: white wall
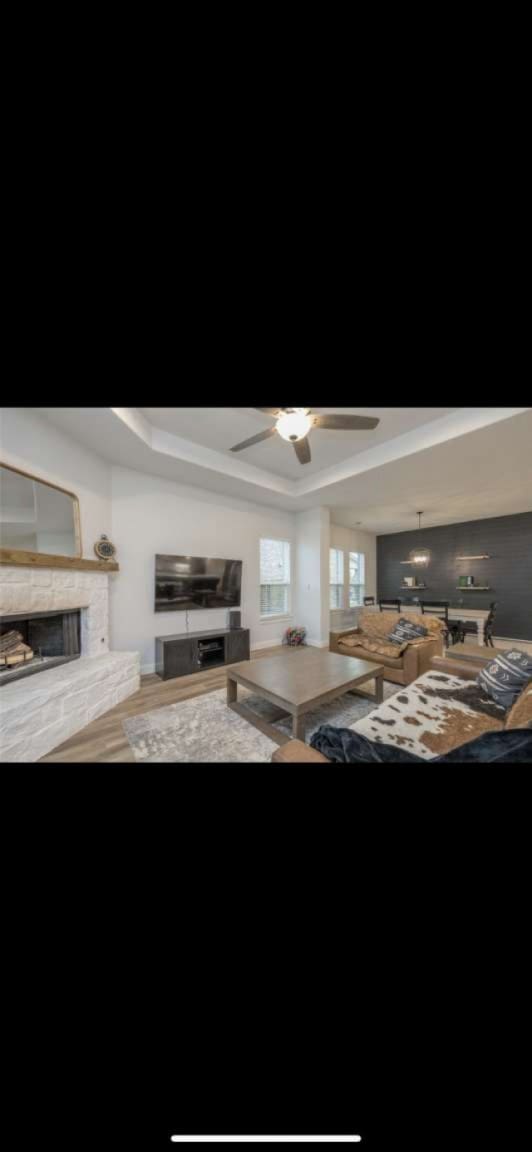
312	574
353	540
145	514
29	442
151	515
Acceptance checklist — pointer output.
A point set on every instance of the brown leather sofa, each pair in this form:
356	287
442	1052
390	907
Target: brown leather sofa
370	642
452	735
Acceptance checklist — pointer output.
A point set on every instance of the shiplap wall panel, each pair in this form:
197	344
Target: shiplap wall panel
508	542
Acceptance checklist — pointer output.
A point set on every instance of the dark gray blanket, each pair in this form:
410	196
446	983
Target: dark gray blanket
343	746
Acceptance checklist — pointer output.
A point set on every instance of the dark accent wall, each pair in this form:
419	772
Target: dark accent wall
508	542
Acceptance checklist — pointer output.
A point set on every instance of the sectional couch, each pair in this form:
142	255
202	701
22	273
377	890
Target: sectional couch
442	710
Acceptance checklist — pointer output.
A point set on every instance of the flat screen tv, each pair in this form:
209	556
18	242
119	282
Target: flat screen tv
186	582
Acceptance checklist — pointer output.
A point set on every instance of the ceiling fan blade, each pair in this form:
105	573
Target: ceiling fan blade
302	450
254	439
347	423
271	411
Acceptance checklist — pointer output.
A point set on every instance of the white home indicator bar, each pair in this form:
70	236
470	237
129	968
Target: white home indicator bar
266	1139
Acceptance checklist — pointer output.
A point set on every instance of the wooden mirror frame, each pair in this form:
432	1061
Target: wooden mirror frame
13	555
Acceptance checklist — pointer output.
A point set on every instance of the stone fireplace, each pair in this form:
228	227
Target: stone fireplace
50	638
63	616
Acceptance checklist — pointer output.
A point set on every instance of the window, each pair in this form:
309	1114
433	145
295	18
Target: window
336	577
274	577
357	576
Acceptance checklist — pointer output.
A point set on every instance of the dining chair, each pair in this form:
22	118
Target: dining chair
467	626
440	608
488	626
390	605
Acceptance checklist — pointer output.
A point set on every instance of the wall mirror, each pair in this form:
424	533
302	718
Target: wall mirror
36	516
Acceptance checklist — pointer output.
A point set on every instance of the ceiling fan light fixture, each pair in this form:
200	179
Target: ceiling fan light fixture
294	425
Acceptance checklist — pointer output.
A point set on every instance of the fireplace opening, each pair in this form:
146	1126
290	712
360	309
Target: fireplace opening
35	641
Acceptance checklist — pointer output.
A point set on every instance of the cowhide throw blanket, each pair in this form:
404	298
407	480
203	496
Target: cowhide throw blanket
433	715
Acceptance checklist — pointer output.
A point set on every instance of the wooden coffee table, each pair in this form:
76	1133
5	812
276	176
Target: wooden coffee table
297	682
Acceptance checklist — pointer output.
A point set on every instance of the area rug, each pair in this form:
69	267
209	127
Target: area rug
203	729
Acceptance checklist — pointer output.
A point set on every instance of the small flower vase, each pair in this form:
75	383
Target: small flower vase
295	636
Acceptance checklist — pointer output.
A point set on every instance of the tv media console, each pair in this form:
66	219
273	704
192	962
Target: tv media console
188	652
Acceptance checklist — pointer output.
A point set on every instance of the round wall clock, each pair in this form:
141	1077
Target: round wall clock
104	549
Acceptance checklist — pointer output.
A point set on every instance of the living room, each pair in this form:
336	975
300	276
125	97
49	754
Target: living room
246	585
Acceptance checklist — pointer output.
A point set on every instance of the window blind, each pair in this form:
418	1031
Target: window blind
336	577
274	577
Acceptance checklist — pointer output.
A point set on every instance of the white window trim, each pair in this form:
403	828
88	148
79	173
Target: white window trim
280	615
346	606
355	552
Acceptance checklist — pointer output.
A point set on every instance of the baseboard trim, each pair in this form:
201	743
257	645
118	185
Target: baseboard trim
266	644
277	644
512	640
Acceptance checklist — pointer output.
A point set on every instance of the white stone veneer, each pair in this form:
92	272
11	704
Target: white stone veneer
38	712
43	589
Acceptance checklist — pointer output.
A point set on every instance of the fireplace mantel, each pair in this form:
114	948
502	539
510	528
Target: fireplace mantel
42	560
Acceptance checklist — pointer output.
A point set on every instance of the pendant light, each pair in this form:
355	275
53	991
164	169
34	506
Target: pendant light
420	555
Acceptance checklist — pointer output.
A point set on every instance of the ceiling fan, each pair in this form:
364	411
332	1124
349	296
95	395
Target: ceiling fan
295	423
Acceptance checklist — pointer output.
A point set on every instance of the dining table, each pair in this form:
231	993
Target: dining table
457	610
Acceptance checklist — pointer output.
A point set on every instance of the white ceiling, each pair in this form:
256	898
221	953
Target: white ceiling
454	464
220	428
485	473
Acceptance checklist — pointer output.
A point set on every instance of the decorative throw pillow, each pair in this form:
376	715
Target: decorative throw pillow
504	678
405	630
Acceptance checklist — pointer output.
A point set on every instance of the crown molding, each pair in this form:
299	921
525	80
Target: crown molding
456	424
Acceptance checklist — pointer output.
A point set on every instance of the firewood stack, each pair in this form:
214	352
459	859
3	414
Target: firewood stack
13	650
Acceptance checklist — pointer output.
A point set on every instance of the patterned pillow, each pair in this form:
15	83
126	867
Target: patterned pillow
405	630
505	677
